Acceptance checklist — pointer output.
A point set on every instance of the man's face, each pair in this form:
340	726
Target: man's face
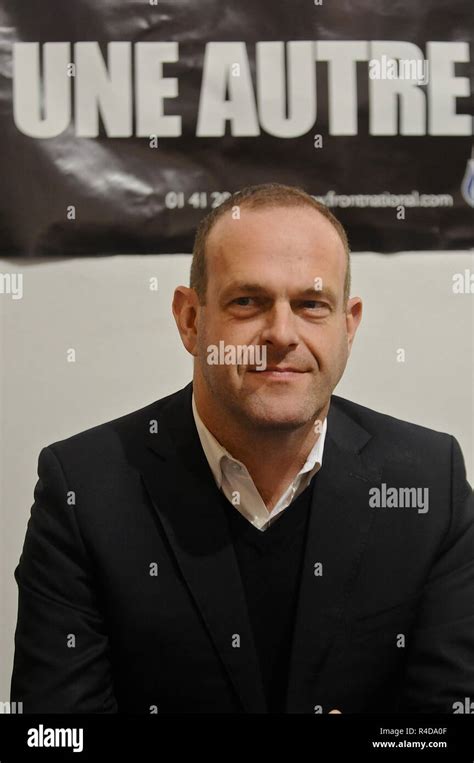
261	291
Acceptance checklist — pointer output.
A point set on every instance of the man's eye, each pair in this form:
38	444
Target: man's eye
312	304
239	299
315	303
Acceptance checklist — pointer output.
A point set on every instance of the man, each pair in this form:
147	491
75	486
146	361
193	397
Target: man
252	543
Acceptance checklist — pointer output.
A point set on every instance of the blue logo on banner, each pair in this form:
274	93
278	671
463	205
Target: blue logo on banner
467	185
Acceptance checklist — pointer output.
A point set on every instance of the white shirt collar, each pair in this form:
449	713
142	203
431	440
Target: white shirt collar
218	458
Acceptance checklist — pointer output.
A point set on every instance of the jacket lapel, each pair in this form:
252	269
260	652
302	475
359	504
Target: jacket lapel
338	530
188	503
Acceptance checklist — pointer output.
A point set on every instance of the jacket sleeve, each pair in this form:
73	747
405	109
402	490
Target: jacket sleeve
440	658
61	660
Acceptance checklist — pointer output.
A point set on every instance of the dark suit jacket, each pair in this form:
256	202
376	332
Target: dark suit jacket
98	632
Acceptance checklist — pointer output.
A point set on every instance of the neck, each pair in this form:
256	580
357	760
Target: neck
273	458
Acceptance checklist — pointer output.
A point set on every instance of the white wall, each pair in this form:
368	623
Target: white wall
128	353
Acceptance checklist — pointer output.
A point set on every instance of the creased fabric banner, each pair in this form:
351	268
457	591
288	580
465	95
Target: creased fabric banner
123	123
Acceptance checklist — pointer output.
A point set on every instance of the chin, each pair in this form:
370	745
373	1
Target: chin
277	419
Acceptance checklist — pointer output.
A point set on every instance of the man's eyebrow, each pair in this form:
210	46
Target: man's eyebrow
242	286
255	288
324	292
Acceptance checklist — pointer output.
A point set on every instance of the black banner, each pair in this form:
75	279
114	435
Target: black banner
122	124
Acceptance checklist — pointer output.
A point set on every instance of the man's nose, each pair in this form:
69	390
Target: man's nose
280	328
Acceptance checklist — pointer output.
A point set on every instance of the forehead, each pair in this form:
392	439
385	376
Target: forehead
275	241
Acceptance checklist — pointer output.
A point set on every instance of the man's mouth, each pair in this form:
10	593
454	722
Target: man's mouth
278	372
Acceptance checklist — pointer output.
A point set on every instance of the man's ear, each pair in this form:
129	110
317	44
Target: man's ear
185	308
353	318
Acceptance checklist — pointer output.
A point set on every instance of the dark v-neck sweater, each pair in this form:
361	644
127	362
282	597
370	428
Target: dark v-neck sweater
270	567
